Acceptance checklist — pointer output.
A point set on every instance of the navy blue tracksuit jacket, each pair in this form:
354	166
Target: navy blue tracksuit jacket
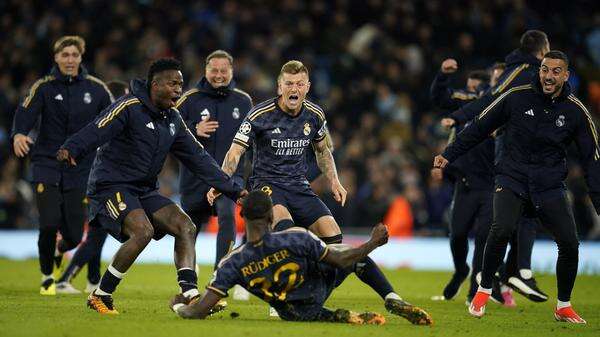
476	168
521	69
538	130
65	104
229	107
134	138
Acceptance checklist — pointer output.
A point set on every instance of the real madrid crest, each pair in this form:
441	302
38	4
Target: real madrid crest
236	113
122	206
87	98
306	129
560	121
172	129
205	115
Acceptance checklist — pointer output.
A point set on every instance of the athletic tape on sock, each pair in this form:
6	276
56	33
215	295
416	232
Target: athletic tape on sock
177	306
191	293
485	290
115	272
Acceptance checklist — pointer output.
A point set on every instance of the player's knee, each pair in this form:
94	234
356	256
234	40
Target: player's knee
332	239
568	248
142	234
184	225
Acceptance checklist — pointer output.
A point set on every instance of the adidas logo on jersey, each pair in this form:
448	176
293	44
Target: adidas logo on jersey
150	126
58	97
529	112
276	131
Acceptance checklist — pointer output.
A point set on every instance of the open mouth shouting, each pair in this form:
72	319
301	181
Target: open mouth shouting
549	85
294	100
174	100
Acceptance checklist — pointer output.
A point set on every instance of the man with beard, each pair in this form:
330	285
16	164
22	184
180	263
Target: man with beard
541	120
522	66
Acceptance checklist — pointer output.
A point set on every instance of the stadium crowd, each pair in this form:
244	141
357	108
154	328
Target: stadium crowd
371	65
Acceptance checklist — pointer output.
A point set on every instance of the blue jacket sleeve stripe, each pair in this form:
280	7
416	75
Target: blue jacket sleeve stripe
509	79
591	124
34	88
501	97
114	112
243	93
99	81
185	97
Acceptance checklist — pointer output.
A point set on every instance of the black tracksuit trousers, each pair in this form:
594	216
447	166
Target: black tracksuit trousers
554	213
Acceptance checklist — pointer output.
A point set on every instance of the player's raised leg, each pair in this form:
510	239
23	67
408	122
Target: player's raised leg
326	228
138	231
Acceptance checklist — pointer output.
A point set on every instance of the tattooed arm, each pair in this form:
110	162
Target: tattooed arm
327	165
230	164
232	158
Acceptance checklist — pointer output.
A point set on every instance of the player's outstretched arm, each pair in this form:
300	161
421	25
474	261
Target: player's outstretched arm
347	257
327	165
230	164
195	310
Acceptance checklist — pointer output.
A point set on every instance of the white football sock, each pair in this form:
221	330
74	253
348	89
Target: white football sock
526	273
485	290
393	296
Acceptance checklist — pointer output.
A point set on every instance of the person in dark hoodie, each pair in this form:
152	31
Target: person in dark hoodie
66	100
135	134
522	66
541	120
473	179
213	110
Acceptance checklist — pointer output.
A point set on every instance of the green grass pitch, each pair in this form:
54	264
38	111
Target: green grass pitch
142	300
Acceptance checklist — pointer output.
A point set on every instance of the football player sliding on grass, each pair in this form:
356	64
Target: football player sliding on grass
293	270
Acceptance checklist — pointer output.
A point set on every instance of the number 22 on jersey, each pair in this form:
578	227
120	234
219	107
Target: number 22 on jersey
270	288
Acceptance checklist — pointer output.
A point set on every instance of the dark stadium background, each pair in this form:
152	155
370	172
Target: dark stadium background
371	64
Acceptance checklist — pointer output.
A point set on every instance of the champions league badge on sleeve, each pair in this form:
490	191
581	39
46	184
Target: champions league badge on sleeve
245	128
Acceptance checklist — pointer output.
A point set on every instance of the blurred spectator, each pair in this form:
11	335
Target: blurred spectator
372	62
